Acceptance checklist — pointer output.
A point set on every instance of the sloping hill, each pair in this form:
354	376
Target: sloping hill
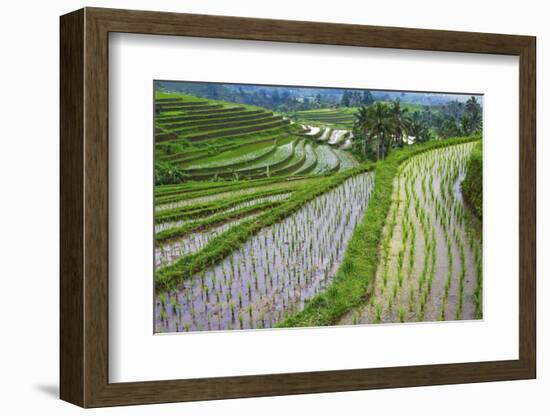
203	139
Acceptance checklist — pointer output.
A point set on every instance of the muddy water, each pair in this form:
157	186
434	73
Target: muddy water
336	136
312	131
169	252
276	271
431	246
325	136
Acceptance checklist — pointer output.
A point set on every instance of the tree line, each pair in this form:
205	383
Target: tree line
382	126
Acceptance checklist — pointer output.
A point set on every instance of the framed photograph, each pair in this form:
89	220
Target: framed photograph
257	207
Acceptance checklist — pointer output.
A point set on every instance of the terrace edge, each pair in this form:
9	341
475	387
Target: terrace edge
84	207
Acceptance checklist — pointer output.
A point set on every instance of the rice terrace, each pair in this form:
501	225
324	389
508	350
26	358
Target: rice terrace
282	206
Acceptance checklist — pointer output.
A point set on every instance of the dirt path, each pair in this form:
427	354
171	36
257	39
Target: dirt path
430	266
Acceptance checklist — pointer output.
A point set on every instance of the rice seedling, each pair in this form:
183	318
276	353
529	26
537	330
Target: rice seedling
426	223
401	314
378	309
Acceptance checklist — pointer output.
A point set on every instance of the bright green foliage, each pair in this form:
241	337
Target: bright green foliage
337	117
472	186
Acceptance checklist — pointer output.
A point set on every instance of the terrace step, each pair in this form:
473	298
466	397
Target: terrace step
249	173
216	126
212	170
204	109
165	137
228	111
164	106
295	163
307	168
179	158
327	160
215	121
188	108
233	132
168	100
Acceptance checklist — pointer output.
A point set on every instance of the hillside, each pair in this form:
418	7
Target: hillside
211	139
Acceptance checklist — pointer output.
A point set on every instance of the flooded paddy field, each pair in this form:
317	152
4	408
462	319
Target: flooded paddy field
430	265
274	273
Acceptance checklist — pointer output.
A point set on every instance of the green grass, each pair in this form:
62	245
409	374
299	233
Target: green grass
209	120
180	152
169	117
271	124
472	186
225	124
352	284
178	96
234	157
196	189
338	117
200	210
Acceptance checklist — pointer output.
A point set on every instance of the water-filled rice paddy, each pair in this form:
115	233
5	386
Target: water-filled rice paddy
431	256
275	272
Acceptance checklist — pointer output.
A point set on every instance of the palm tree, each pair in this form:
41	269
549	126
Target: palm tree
380	125
418	129
374	124
471	120
401	123
359	129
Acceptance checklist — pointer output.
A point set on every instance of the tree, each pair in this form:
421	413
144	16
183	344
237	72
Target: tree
450	127
275	97
212	91
400	123
472	119
346	98
457	118
318	99
355	99
359	130
374	125
367	98
418	129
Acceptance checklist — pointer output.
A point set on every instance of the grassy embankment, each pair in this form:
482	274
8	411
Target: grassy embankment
472	186
472	190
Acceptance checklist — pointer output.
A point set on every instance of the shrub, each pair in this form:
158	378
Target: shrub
472	186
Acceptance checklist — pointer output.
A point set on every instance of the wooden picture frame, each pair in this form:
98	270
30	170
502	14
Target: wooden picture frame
84	207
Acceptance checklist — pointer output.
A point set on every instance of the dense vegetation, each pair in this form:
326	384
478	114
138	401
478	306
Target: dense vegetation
472	186
381	126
